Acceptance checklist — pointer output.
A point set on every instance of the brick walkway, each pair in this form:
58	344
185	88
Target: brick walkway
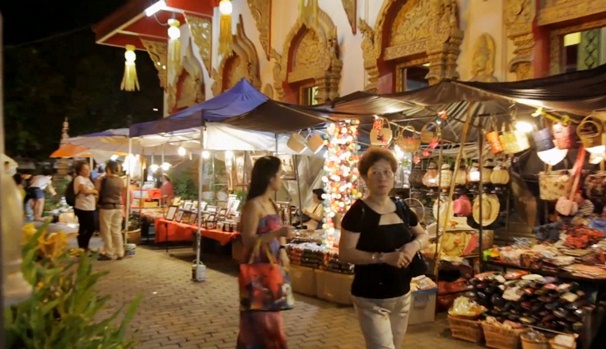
178	313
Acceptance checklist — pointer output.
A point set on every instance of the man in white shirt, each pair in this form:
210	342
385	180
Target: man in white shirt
35	192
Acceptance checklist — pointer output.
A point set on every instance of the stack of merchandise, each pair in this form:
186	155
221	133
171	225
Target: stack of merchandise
306	255
333	264
531	299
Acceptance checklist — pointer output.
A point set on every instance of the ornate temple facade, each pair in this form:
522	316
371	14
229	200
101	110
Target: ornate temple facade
312	51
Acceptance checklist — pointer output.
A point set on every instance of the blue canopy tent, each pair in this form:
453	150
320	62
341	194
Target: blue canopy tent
243	107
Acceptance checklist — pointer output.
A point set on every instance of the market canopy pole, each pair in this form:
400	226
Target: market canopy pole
466	127
128	198
196	267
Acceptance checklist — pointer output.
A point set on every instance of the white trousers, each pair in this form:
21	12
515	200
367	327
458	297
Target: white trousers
383	321
110	222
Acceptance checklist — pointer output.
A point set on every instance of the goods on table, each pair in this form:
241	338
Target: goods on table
464	307
545	302
314	256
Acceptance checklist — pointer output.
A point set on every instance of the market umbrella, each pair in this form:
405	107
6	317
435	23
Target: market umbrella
70	150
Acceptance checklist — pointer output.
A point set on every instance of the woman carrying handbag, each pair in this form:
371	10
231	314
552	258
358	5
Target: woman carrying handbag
382	237
264	238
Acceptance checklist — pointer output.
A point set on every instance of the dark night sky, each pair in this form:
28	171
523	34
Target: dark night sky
25	20
54	69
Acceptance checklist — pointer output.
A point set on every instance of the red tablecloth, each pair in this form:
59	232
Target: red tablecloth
166	230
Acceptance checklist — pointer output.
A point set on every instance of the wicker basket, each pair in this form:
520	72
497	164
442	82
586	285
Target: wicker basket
467	330
553	345
527	344
501	338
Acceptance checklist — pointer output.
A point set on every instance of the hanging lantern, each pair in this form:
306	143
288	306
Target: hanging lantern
225	36
174	44
129	80
14	286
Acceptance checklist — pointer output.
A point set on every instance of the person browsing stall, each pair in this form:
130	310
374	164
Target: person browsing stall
37	186
86	204
260	220
381	237
314	214
112	190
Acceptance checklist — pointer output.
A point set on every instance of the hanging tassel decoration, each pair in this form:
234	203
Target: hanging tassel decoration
129	80
225	35
174	44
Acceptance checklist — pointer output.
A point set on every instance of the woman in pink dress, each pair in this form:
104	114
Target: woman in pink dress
260	220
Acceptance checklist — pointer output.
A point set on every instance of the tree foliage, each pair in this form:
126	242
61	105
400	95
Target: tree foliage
71	76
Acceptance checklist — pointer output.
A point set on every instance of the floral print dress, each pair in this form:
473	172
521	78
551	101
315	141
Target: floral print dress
263	329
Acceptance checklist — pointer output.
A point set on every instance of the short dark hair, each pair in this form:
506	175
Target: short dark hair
113	166
372	156
318	192
78	166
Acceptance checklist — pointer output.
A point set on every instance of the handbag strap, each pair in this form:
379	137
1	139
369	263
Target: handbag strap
577	170
257	250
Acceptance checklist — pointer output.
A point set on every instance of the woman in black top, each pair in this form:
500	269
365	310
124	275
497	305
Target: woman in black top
381	244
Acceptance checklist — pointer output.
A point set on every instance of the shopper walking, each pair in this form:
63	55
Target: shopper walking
381	236
260	220
86	204
35	192
111	193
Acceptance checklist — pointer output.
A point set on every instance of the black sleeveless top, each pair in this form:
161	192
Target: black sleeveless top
379	281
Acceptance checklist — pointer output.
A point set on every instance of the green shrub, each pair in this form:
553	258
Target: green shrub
65	310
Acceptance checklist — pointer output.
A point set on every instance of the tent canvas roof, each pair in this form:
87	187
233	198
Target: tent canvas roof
254	111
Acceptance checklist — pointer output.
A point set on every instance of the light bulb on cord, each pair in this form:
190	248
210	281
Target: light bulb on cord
153	168
113	157
205	155
165	166
174	32
229	155
130	55
225	7
181	151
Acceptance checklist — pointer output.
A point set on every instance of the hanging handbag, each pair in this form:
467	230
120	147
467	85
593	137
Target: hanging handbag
264	286
567	206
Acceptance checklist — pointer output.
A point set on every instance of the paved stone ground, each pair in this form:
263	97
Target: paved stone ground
178	313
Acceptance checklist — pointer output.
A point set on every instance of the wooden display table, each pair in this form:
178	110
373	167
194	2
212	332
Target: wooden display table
174	231
333	287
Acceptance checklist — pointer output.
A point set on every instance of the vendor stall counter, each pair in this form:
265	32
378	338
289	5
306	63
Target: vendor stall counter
167	230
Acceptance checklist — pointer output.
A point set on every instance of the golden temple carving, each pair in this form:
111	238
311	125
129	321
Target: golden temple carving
187	87
426	28
268	90
484	51
371	50
558	11
242	64
316	57
261	12
201	32
158	52
350	7
519	17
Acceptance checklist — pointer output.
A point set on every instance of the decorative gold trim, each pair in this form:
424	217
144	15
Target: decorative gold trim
201	32
187	87
243	50
326	71
439	38
559	11
350	7
556	42
261	12
158	52
519	17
